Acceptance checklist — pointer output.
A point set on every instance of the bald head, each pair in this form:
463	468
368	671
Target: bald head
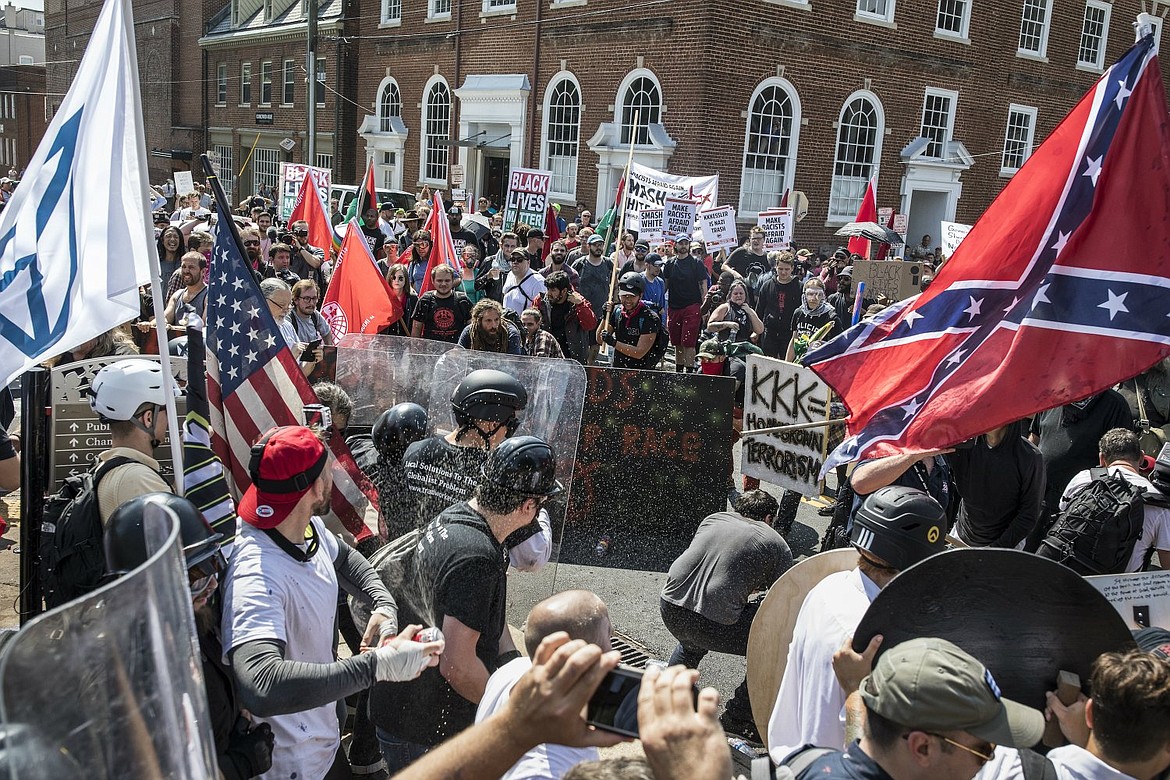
580	613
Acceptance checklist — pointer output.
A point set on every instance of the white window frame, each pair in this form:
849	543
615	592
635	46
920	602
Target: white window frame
225	161
25	59
266	81
384	119
391	13
744	210
1042	51
953	96
265	168
864	15
565	193
1030	142
221	84
436	12
498	7
425	135
879	111
1099	64
619	103
964	23
246	81
325	161
288	80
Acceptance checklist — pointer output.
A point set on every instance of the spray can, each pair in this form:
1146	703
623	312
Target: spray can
602	548
431	634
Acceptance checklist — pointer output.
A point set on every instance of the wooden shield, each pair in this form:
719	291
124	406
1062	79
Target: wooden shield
771	633
1025	617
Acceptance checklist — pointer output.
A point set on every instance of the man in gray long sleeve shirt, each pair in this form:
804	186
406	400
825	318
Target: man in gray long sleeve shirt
1001	482
279	602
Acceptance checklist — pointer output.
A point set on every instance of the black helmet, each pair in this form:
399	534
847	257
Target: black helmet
900	525
632	282
398	427
488	394
125	541
525	465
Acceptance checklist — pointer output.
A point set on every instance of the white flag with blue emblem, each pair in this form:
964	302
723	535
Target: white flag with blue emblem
76	238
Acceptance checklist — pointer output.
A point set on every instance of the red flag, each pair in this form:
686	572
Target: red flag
866	212
1058	291
552	232
359	299
311	208
442	245
784	198
254	383
884	249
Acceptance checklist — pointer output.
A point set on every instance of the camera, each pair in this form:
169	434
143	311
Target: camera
287	238
1160	476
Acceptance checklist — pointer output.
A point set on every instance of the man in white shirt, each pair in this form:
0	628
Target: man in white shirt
522	284
894	528
583	616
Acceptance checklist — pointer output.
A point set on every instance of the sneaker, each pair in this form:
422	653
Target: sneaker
741	727
827	511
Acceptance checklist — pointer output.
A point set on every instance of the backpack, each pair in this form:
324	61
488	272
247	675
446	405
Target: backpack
1097	532
72	559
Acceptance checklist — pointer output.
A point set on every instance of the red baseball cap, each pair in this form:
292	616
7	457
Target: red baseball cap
285	463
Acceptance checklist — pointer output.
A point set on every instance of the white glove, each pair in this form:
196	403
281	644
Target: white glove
402	662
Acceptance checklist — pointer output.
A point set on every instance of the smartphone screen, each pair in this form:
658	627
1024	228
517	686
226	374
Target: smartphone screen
308	355
614	705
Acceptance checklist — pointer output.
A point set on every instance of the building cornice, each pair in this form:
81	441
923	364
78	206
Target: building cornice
290	32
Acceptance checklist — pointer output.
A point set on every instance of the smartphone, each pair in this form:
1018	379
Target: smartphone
310	350
614	705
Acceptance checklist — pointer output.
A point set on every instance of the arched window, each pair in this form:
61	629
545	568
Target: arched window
640	96
769	148
389	104
562	132
859	140
436	128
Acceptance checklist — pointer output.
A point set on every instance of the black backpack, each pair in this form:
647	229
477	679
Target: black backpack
1098	530
72	559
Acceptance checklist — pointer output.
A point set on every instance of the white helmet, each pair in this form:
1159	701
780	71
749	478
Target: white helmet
120	389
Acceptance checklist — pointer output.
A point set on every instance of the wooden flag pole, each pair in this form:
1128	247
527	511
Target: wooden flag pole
622	225
794	427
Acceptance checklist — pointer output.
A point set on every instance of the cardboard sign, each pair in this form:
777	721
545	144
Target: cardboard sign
952	235
291	176
527	200
1141	598
652	462
718	227
780	393
184	185
777	225
647	189
651	225
678	216
895	280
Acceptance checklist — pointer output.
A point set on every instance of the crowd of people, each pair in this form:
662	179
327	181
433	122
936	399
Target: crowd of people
461	513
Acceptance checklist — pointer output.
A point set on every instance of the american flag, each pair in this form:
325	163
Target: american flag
1059	291
254	382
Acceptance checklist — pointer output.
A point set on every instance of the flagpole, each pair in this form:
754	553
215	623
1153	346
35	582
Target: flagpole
155	271
794	427
621	225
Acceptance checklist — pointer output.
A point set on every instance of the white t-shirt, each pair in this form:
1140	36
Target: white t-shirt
1076	763
269	595
543	761
519	295
809	704
1155	526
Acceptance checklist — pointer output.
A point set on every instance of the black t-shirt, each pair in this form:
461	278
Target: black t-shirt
375	238
778	301
440	474
806	323
443	319
629	330
741	260
462	238
458	569
682	281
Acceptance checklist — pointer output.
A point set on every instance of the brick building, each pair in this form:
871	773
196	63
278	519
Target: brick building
22	114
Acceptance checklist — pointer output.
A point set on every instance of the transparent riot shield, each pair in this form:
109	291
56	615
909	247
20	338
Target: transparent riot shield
110	685
380	371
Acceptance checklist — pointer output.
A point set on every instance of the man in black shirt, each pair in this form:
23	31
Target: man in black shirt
741	260
778	300
375	238
1000	479
686	286
456	580
633	327
441	314
535	249
568	316
459	236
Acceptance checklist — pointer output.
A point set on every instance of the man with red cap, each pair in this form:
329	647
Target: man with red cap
280	599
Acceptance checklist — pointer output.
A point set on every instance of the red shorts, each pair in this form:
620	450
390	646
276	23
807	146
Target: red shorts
683	325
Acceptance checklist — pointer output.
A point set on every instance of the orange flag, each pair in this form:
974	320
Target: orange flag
359	299
442	245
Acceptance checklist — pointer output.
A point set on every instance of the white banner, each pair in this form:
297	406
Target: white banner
780	393
291	176
719	228
1141	598
678	216
777	225
952	235
527	200
651	225
184	184
648	189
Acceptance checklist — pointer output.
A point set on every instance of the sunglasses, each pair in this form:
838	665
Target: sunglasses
515	260
300	232
983	757
251	243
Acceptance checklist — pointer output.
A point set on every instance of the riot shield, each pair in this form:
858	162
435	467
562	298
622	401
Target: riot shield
380	371
110	685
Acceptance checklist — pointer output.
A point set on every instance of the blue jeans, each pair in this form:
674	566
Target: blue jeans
399	754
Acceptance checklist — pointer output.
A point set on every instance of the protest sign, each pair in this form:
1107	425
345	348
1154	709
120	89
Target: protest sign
184	185
291	176
952	235
1141	598
718	226
646	473
651	225
647	188
678	216
527	199
897	280
884	215
780	393
777	225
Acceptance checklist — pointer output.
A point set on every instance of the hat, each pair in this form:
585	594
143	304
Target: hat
928	683
846	271
683	236
804	253
387	206
593	239
1155	641
285	464
655	259
536	233
256	202
642	245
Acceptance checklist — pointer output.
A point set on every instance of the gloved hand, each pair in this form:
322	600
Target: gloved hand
609	338
249	752
402	659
